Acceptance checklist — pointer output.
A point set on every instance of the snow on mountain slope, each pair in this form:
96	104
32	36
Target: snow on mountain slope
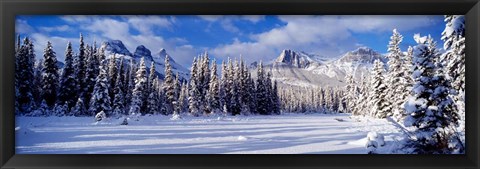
303	69
356	62
117	48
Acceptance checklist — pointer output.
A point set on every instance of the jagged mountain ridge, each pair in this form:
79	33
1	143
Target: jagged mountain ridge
303	69
117	48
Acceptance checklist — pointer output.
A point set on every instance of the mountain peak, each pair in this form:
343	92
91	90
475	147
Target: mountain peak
115	46
142	51
362	55
297	59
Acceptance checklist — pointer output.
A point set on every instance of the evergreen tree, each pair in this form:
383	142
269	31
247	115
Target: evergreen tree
79	108
176	94
261	91
431	110
112	75
351	95
213	96
100	99
119	95
80	68
50	76
24	75
223	86
153	99
183	98
454	60
235	106
92	71
68	81
131	82
194	93
395	76
378	104
275	99
169	87
139	95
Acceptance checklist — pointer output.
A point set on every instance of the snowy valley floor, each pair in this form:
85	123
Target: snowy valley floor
284	134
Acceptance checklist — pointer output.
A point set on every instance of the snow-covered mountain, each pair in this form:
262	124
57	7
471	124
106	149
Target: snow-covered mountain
303	69
356	62
117	48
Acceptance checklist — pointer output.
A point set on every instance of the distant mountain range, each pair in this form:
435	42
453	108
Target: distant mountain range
117	48
291	67
303	69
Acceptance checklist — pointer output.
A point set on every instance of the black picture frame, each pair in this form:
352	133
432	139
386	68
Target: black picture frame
10	8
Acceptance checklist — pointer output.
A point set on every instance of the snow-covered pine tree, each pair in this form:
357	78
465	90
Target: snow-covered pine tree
132	69
275	99
261	91
112	75
205	69
431	110
68	81
269	93
377	99
454	60
193	92
139	95
169	86
183	98
151	77
80	68
60	109
235	97
176	94
153	99
36	86
100	99
395	76
213	97
251	96
223	86
118	103
50	76
79	108
351	89
92	71
24	76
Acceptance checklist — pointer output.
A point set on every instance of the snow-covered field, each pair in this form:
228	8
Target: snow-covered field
284	134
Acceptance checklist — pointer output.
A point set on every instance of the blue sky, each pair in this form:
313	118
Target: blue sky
252	37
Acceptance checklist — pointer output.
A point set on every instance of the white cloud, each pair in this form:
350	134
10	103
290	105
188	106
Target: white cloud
227	21
21	26
61	28
146	24
324	35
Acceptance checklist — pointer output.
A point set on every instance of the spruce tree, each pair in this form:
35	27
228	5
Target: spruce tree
378	103
169	87
213	97
153	99
92	71
24	77
112	75
100	99
80	68
139	95
119	94
395	76
431	109
194	93
50	76
261	91
68	81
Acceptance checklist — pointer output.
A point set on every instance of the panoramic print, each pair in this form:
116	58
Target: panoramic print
246	84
